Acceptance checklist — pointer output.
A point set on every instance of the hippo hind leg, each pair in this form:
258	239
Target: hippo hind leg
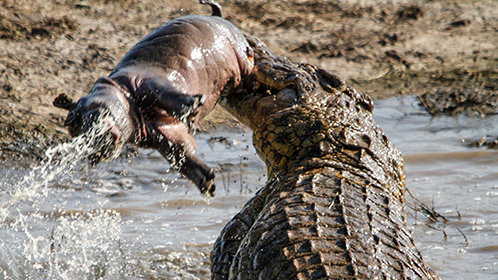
178	147
192	167
178	104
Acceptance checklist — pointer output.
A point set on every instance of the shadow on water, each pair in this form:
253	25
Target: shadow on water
133	219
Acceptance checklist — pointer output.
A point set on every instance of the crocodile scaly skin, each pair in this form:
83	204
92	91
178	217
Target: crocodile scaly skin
333	205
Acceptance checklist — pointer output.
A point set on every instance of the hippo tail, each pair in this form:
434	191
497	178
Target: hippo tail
215	7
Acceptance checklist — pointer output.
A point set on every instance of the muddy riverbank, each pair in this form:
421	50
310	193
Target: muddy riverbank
385	48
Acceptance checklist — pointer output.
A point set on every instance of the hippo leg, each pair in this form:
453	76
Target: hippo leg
180	105
178	147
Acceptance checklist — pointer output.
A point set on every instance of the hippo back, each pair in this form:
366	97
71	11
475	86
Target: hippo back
196	54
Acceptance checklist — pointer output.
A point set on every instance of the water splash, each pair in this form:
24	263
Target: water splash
61	244
77	247
59	161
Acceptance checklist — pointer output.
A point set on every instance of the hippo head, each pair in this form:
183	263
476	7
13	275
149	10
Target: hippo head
103	116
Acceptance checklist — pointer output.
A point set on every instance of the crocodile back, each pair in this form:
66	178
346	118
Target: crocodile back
328	224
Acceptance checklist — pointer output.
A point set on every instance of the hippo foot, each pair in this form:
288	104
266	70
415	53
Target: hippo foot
204	179
198	172
207	187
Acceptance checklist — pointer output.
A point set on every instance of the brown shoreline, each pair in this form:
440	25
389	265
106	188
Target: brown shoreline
386	50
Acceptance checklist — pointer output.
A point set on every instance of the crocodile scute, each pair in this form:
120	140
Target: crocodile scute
333	204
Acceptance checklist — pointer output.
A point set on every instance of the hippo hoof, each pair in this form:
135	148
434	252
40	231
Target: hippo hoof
208	187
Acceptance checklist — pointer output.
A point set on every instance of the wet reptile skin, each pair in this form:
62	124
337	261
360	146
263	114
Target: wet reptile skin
333	205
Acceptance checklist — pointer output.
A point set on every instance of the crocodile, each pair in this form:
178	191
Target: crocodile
332	207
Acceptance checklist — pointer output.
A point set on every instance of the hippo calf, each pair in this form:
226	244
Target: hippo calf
163	86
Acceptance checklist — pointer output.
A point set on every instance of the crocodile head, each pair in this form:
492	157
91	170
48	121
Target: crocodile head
305	118
278	108
279	84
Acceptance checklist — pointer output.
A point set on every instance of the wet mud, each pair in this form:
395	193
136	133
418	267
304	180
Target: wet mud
486	141
472	99
384	48
479	100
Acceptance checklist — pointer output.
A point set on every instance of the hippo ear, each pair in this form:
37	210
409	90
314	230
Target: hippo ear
64	102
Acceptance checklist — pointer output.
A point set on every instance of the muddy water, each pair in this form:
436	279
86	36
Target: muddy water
133	219
461	183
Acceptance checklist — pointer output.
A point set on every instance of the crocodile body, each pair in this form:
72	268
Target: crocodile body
333	204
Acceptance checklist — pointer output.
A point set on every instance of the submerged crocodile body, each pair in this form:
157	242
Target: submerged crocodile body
333	204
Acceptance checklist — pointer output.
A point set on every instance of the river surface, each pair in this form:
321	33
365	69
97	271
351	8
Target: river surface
132	218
